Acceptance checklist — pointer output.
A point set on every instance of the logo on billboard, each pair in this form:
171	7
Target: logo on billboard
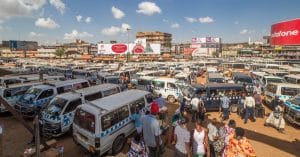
285	33
119	48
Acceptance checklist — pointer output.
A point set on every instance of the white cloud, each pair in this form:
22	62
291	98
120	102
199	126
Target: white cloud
34	34
148	8
114	30
59	5
111	31
88	19
19	8
165	20
175	25
117	13
246	31
46	23
206	19
236	22
78	18
75	35
190	19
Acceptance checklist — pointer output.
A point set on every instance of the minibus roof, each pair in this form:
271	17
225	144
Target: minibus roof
112	102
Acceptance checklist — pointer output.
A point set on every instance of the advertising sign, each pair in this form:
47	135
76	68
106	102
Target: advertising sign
196	40
286	33
134	48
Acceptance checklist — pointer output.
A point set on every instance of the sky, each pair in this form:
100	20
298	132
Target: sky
61	21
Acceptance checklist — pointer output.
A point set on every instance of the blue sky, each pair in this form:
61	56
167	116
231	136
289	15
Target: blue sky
48	21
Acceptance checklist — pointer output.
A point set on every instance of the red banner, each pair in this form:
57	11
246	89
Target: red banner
286	33
119	48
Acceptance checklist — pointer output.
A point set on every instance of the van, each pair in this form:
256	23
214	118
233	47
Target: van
103	125
58	117
168	87
243	79
215	78
12	93
143	83
283	91
38	96
270	79
292	110
211	95
294	79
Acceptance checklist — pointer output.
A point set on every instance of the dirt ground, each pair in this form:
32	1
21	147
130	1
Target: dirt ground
267	141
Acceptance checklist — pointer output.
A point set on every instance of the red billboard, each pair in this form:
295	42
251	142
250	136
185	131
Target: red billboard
286	33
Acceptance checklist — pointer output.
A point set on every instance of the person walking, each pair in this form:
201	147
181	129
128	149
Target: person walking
152	132
249	106
182	139
224	106
199	140
257	89
137	147
226	133
195	103
212	135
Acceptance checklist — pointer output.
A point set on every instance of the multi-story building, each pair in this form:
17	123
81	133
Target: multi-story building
157	37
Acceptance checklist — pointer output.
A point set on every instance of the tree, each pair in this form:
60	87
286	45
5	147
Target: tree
60	52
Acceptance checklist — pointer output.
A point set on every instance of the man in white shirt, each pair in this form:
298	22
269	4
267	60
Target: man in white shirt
195	104
182	139
249	105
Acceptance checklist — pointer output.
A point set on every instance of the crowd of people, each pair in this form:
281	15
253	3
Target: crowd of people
212	140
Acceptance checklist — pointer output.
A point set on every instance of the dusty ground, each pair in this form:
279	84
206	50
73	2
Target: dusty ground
266	141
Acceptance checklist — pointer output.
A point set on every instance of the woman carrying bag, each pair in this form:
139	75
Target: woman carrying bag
199	141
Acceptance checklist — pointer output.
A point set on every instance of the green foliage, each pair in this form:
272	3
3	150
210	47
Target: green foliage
60	52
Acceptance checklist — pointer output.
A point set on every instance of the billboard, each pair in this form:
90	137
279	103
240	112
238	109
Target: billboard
205	40
134	48
286	33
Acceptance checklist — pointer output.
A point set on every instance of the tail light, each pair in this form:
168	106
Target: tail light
97	142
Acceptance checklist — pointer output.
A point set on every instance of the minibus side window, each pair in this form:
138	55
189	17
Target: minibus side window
84	84
72	105
93	96
171	86
45	94
123	113
109	120
290	91
111	92
137	105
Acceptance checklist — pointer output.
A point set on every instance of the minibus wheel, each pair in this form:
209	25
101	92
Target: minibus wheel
171	99
118	144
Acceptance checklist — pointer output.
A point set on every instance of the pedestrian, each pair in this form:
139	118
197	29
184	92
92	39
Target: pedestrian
163	109
227	131
137	147
224	106
257	89
259	109
212	135
249	105
241	109
182	106
152	132
276	119
137	118
195	103
199	140
239	146
182	139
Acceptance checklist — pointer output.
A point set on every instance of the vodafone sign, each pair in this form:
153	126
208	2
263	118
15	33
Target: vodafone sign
286	33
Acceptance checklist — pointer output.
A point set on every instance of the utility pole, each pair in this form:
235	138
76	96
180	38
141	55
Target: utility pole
128	52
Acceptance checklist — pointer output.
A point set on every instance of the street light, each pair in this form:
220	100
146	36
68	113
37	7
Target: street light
128	52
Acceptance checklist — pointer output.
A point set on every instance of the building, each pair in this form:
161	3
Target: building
157	37
17	45
206	47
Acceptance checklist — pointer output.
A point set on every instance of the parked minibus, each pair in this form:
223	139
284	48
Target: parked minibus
58	116
103	125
